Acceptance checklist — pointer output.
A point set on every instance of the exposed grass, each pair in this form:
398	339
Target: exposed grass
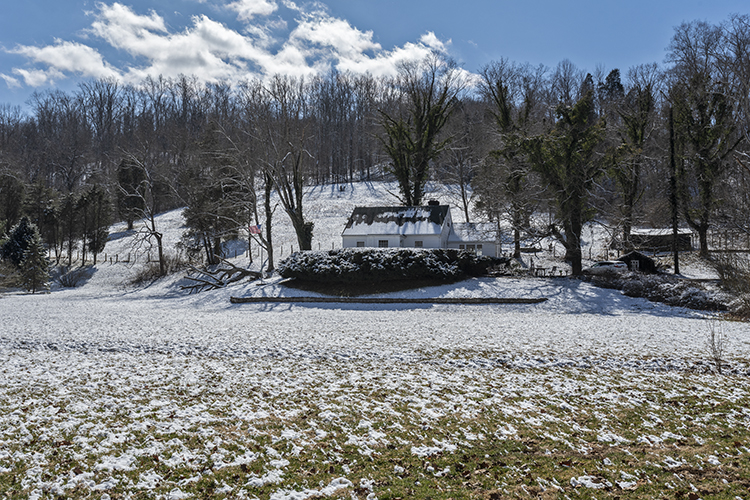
238	428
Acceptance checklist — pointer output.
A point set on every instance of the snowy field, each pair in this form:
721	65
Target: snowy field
114	391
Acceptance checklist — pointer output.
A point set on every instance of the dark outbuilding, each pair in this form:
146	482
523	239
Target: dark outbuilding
637	261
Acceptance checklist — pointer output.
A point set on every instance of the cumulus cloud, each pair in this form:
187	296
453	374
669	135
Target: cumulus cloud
213	51
248	9
38	77
430	40
335	34
66	57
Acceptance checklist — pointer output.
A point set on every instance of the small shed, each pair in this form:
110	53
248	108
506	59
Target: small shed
637	261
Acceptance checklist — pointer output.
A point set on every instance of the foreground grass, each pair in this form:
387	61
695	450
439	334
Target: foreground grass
112	426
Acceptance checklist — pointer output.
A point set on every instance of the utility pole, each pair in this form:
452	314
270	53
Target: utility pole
673	193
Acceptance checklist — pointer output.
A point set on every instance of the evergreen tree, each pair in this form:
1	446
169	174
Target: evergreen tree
216	198
42	206
565	160
18	242
35	266
611	94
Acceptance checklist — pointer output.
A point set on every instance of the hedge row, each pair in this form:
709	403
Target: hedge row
351	265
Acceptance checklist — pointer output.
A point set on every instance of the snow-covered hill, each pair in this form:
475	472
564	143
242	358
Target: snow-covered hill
329	207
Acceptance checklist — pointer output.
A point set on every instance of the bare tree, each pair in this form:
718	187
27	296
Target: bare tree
430	91
64	136
514	94
706	127
566	82
636	111
148	192
282	130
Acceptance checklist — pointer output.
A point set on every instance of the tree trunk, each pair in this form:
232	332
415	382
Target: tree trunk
673	194
217	253
269	215
703	241
574	240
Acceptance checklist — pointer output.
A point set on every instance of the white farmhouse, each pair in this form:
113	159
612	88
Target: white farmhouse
428	226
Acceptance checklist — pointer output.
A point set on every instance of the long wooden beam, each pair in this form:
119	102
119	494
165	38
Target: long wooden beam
378	300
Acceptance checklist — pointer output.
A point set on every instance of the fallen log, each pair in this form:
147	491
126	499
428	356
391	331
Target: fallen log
218	278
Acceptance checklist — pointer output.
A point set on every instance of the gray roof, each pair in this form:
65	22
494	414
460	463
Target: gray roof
397	220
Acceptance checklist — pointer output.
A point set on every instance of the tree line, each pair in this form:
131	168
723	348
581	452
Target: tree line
654	146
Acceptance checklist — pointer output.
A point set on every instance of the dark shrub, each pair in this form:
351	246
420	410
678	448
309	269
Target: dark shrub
348	265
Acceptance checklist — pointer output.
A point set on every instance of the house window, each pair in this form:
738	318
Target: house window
461	247
383	243
360	244
418	244
479	249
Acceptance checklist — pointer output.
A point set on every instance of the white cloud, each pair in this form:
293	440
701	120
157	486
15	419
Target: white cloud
335	34
386	63
212	51
248	9
123	29
430	40
67	57
10	81
38	77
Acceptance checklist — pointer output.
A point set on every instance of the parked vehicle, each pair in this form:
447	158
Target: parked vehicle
606	267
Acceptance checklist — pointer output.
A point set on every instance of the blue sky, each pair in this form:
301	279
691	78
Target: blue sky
48	44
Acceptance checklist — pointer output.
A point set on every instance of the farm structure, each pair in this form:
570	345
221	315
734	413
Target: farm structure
429	226
637	261
660	240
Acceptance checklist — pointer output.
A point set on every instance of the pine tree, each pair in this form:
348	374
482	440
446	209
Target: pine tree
35	266
18	241
565	160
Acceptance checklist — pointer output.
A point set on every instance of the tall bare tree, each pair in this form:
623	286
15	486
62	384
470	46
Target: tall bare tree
514	93
429	91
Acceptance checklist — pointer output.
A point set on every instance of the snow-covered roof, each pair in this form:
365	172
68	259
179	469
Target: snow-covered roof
397	220
473	232
658	231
